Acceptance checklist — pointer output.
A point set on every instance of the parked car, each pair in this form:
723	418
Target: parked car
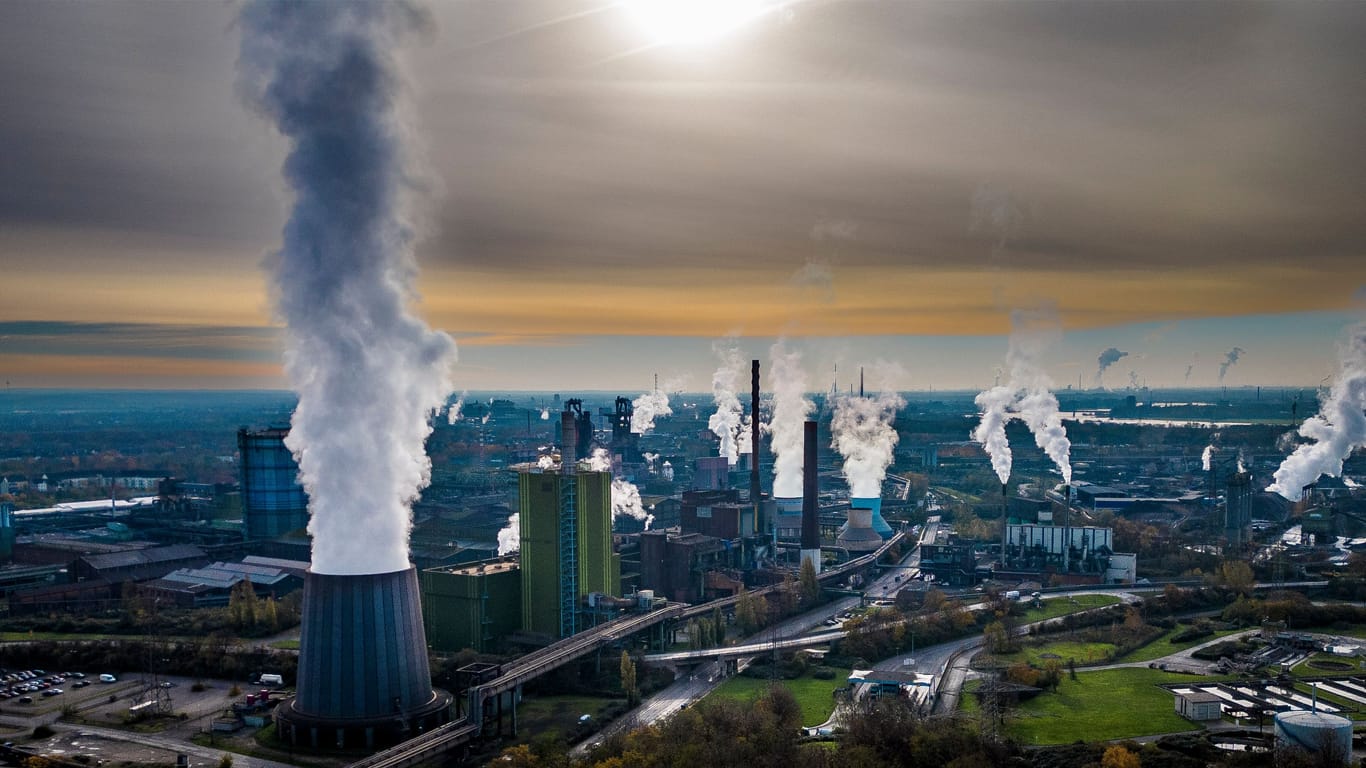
25	699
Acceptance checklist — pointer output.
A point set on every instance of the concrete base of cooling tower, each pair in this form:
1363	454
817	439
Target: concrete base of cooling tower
301	730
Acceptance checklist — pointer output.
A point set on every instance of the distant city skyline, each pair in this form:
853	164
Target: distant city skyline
875	180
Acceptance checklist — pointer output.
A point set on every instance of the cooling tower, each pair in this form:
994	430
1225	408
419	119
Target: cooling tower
875	504
811	524
858	535
363	676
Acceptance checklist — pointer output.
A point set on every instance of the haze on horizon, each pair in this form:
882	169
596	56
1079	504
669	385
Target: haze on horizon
875	180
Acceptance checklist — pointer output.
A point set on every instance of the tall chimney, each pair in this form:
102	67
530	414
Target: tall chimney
860	381
811	526
754	491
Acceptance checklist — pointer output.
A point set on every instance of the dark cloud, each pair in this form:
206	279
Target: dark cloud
1139	135
188	342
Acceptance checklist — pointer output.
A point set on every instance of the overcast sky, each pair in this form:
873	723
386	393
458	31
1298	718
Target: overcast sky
876	180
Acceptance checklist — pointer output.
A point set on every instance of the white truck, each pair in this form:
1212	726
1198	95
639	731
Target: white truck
272	679
1013	594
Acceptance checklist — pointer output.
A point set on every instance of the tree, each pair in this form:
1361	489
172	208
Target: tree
628	679
1118	756
1237	576
750	613
810	585
995	638
225	761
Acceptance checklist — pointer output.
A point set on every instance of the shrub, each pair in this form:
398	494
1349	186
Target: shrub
43	732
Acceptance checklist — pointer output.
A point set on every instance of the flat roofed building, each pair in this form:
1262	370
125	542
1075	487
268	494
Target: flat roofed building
471	606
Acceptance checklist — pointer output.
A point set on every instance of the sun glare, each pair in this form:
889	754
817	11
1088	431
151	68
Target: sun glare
691	22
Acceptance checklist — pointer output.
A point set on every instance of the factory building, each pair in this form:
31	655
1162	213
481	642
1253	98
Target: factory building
1071	554
471	606
676	565
716	513
950	559
566	547
711	473
273	501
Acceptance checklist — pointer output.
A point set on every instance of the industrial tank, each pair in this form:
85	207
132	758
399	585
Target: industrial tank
858	535
875	504
1315	732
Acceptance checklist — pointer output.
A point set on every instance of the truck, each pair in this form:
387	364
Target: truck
272	679
1013	594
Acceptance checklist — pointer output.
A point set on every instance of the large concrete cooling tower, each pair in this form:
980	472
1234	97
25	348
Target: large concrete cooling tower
363	674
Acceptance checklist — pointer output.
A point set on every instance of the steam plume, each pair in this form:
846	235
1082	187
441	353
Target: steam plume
625	494
1230	360
369	374
1032	332
726	421
991	430
790	409
510	538
545	414
1206	458
864	434
1133	380
1189	368
1338	428
1106	359
648	407
453	413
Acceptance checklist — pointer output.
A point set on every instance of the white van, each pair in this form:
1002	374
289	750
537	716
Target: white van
108	679
270	679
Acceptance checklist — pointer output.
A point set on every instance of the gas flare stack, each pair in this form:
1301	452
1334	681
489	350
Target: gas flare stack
363	675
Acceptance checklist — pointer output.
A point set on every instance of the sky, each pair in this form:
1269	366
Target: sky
877	181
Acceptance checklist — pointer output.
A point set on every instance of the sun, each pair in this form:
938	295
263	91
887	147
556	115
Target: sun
692	22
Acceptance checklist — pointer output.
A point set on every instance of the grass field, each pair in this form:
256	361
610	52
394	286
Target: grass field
558	715
816	697
1081	652
1097	706
1061	606
285	645
1163	646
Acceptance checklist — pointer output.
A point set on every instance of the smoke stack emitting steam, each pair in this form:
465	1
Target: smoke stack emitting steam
726	422
1027	395
1106	359
790	409
368	373
1338	429
863	432
1230	360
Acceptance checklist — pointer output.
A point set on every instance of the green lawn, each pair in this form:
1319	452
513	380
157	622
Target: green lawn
285	645
1097	706
1083	653
816	697
1061	606
1163	646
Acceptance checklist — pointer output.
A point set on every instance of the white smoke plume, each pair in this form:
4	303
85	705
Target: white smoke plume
1338	429
725	422
1230	359
790	409
625	495
510	538
1206	458
864	433
991	430
545	414
453	413
648	407
1032	333
650	458
1106	359
545	462
1133	380
744	439
368	373
485	418
1242	465
626	502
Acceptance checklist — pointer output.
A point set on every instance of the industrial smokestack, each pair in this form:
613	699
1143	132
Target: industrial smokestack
811	524
754	491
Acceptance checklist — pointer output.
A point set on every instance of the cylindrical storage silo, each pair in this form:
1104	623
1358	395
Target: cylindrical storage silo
1317	732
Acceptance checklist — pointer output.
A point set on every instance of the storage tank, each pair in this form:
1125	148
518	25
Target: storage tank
1315	732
